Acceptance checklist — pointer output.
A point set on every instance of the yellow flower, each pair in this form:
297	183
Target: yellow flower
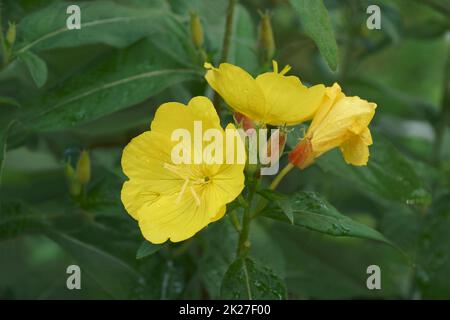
175	201
271	98
342	122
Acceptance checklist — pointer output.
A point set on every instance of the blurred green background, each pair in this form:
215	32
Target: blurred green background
94	89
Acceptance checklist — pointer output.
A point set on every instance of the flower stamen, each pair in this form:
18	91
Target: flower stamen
194	194
275	68
176	170
285	70
183	189
185	176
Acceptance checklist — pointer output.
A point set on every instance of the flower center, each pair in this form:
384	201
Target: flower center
189	181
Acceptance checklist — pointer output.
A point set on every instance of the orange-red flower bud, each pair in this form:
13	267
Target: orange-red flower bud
243	121
280	137
302	155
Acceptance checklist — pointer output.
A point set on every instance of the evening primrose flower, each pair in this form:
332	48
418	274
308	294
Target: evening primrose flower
175	201
271	98
342	122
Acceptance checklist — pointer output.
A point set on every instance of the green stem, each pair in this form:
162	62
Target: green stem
280	176
228	31
263	203
242	201
226	42
244	243
235	221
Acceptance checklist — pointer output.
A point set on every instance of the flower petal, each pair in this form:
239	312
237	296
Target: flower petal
287	100
173	115
331	94
174	219
135	194
349	116
143	162
355	150
238	88
219	214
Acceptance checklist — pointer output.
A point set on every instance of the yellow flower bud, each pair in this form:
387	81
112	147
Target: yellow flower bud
72	181
196	30
266	40
83	170
11	33
69	172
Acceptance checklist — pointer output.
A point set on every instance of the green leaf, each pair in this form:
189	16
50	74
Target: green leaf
242	49
112	274
36	66
281	200
264	248
218	252
316	22
392	90
18	219
9	101
146	249
322	267
245	279
127	78
101	22
388	174
313	212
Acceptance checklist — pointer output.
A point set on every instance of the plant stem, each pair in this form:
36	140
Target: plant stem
226	42
228	31
242	201
280	176
244	244
235	221
263	203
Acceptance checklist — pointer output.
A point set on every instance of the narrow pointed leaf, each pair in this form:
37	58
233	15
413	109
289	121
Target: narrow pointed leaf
313	212
317	25
36	66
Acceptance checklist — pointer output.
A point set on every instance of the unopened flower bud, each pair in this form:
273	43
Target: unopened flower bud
302	155
72	182
278	138
11	33
243	121
196	30
69	172
266	41
83	170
